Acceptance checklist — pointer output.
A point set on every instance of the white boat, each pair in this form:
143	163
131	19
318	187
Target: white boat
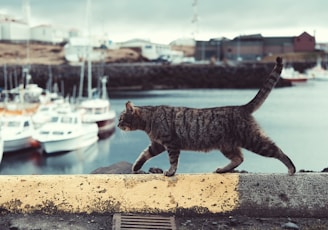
17	133
66	132
290	74
317	72
45	111
1	147
97	110
27	91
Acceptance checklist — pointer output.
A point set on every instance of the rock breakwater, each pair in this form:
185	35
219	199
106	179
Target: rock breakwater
147	76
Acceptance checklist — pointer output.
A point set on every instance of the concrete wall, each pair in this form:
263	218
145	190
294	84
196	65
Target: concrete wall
301	195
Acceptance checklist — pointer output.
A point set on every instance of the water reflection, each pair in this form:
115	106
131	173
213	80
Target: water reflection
33	161
71	162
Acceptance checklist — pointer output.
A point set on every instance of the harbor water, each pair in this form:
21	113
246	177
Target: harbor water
296	118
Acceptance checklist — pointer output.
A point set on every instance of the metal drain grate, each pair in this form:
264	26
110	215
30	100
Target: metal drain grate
134	222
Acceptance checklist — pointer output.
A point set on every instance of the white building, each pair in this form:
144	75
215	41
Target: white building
149	50
183	42
78	48
48	33
13	30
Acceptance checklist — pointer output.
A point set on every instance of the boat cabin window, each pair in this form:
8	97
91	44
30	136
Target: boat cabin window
99	110
44	109
66	120
69	120
88	111
26	124
58	133
54	119
13	124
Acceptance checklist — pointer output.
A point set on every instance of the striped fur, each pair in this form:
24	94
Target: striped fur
228	129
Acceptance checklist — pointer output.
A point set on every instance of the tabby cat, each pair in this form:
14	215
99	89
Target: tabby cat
227	129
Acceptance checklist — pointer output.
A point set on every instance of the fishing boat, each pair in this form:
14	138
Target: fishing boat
17	133
45	111
66	132
27	91
97	110
317	72
290	74
1	147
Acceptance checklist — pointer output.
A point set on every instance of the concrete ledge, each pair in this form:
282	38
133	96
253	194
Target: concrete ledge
246	194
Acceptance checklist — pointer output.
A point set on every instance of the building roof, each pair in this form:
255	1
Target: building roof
250	37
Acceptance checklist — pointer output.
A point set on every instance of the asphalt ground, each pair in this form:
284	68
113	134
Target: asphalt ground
66	221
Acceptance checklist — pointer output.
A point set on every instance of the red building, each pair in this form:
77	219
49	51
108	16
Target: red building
304	43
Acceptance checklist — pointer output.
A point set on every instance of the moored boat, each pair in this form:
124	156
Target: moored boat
45	111
17	133
97	110
66	132
1	147
290	74
317	72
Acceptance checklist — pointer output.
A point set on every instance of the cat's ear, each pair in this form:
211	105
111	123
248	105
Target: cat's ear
129	107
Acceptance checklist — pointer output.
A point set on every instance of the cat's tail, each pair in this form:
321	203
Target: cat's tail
268	85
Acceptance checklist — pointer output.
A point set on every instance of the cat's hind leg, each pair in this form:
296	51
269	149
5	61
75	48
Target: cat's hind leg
262	145
236	157
152	150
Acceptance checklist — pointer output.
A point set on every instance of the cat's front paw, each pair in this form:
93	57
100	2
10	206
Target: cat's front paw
138	172
220	170
155	170
169	173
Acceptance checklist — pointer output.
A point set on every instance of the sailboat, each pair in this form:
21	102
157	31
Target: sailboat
97	110
318	72
290	74
1	147
17	133
66	132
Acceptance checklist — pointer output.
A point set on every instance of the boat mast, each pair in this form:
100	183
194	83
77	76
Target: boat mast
104	88
89	49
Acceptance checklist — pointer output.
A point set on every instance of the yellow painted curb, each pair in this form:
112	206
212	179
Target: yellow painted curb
199	193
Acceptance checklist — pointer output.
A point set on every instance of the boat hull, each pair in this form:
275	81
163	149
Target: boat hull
105	123
70	144
296	80
1	148
105	128
18	144
55	138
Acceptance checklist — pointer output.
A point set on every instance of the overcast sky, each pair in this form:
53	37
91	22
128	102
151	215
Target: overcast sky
166	20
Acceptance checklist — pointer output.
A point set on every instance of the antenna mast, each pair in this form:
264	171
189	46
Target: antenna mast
195	18
27	18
